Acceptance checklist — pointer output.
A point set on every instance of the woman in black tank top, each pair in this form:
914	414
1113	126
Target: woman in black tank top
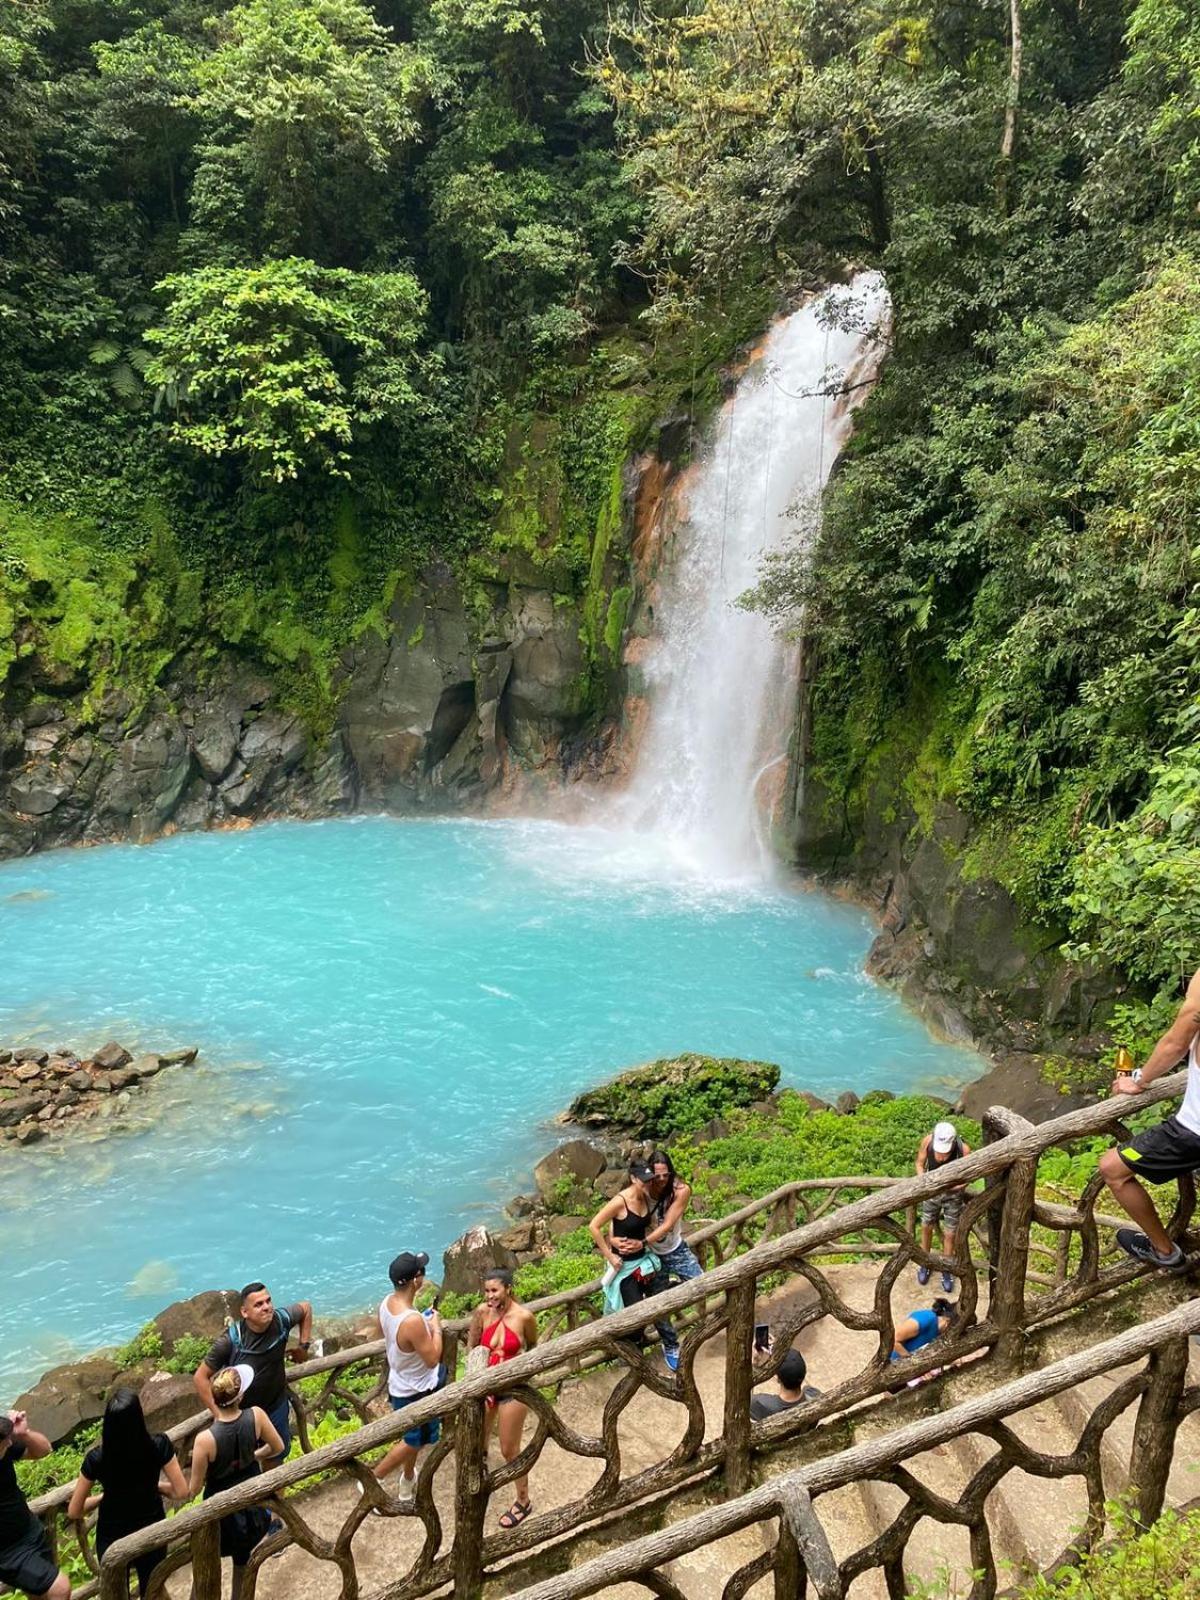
627	1218
229	1452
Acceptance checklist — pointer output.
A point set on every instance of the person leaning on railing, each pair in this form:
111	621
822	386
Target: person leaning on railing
1166	1151
25	1560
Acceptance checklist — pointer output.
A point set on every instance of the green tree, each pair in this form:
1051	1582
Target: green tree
311	105
282	367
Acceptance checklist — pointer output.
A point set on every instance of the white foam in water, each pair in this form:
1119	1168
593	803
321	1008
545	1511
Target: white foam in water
721	680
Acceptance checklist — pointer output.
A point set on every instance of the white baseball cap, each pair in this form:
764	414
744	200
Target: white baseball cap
246	1373
944	1136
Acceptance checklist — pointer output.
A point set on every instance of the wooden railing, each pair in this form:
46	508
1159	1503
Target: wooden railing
800	1555
1002	1299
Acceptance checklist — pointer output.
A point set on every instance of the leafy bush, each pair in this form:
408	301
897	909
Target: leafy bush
1155	1563
146	1345
675	1096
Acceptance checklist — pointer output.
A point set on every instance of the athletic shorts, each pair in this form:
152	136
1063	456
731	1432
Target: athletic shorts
26	1565
947	1207
426	1432
1163	1152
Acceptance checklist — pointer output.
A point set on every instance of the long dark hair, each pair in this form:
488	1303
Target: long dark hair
660	1158
128	1450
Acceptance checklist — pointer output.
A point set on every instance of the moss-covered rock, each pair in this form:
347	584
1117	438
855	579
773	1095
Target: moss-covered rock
676	1095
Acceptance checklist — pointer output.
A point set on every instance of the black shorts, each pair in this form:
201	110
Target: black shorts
26	1565
1163	1152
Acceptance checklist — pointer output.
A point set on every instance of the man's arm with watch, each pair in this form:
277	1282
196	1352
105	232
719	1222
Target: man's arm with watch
299	1351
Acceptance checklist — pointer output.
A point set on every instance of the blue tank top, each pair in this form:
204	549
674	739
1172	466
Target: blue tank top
927	1332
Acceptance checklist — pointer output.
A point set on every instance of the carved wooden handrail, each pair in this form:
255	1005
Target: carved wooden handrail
715	1303
1163	1341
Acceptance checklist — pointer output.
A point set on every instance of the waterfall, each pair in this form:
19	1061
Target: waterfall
721	681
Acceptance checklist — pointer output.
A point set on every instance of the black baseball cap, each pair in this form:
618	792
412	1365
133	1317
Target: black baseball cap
642	1171
793	1370
406	1266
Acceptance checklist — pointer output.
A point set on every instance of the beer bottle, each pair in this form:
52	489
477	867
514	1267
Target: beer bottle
1124	1063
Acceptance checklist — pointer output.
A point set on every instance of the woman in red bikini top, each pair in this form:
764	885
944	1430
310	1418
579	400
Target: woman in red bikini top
505	1328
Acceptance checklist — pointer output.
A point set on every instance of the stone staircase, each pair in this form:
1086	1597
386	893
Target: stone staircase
1031	1519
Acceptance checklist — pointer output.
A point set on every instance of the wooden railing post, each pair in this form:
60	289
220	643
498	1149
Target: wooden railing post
803	1546
1009	1221
470	1499
114	1583
206	1562
739	1380
1154	1430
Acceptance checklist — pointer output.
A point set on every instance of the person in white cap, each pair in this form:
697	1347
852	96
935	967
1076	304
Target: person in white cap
937	1148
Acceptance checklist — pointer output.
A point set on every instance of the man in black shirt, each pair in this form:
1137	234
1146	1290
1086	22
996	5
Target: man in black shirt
259	1340
25	1561
793	1370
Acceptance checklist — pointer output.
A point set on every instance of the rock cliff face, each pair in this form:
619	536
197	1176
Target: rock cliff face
436	709
953	942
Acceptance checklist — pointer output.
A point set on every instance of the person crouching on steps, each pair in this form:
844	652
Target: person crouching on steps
413	1340
232	1451
1169	1149
505	1328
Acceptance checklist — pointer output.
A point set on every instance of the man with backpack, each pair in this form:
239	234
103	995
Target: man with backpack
258	1339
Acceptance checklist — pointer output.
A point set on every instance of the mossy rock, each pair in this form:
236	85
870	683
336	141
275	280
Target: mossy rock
674	1096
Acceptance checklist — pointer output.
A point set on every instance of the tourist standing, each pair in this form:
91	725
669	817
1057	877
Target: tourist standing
258	1339
937	1150
231	1451
25	1559
1169	1149
505	1328
135	1468
665	1236
413	1340
619	1229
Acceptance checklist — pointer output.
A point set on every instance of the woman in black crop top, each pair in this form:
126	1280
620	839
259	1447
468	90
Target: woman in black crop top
627	1218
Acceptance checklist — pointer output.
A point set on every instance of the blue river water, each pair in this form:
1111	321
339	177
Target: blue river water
389	1012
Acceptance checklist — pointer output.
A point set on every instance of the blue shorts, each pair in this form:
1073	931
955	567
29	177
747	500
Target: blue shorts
426	1432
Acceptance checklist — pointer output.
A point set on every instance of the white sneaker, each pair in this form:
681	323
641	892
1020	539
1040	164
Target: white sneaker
406	1489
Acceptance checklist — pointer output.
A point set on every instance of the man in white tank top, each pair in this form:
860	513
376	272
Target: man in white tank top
413	1340
1165	1151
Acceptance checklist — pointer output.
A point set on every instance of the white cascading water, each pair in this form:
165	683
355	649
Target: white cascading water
721	681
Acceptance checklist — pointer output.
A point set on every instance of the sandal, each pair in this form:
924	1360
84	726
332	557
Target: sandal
516	1514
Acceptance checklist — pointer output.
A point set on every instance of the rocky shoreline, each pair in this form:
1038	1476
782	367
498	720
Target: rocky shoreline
50	1092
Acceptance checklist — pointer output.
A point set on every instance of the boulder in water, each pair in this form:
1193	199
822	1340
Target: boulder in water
203	1316
66	1397
576	1164
112	1055
466	1260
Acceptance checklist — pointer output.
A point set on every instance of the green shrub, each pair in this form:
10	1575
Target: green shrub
671	1097
145	1345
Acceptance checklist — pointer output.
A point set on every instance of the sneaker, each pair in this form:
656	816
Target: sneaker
947	1283
406	1489
671	1357
922	1276
1139	1247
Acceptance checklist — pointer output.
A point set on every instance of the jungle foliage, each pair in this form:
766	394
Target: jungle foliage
1002	607
300	294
